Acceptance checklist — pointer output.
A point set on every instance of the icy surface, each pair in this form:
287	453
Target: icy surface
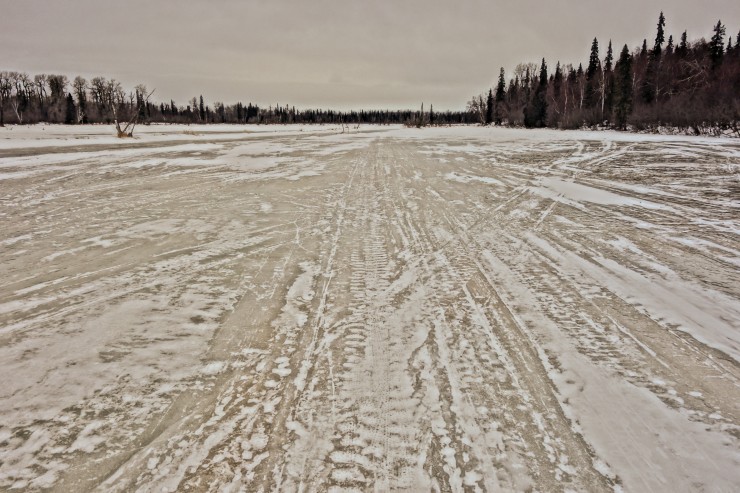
227	308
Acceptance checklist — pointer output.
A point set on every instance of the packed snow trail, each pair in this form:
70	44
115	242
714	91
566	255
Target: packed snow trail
459	309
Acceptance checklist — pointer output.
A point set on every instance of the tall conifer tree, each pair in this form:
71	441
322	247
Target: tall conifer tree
623	88
593	60
717	45
659	37
70	115
489	107
500	97
648	90
608	89
592	76
683	47
609	58
535	113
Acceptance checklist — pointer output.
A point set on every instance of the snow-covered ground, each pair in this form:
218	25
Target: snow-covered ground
292	308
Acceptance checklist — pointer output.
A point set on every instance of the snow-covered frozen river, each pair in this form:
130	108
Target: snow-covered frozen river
299	309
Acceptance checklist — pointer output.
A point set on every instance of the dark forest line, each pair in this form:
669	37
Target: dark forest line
690	86
55	99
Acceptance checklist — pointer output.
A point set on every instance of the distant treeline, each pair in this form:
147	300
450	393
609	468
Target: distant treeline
54	99
689	85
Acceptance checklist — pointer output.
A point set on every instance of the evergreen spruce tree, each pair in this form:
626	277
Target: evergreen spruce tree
593	60
649	82
541	97
717	45
500	98
608	82
543	75
623	88
140	105
489	108
202	110
683	48
659	37
609	58
512	95
535	113
70	115
557	80
501	86
557	87
592	76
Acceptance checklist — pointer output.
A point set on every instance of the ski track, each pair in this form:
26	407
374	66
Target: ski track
389	309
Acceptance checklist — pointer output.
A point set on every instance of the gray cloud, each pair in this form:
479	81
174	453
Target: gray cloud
327	52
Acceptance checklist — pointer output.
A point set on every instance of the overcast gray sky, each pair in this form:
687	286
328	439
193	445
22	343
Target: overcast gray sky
328	53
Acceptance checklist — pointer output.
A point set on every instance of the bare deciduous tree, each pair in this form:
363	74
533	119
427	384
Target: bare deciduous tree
6	86
23	91
477	106
80	88
133	117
